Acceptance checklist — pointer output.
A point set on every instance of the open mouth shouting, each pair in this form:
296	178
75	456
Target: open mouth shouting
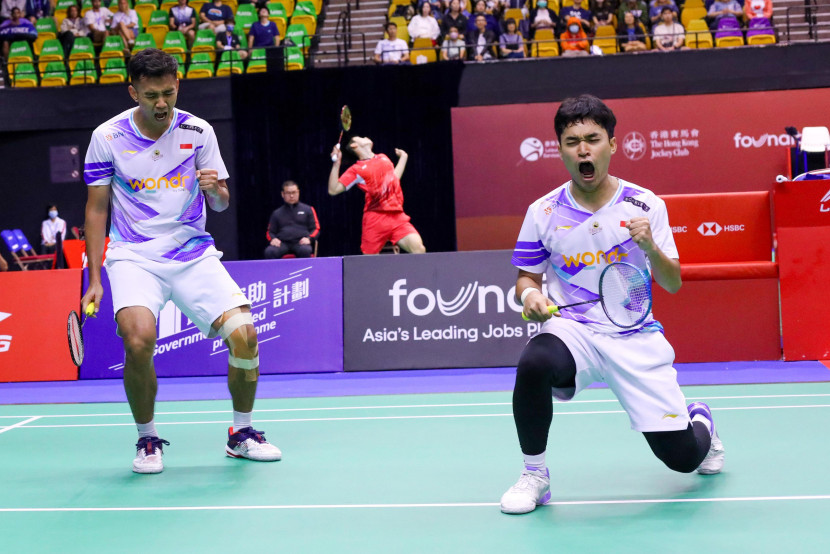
587	170
160	117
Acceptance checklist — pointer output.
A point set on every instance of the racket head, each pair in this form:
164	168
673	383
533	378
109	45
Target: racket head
625	294
345	118
75	338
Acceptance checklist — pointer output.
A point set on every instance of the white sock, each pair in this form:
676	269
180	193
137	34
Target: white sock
241	420
535	463
147	429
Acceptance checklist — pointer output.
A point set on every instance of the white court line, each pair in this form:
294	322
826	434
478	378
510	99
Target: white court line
408	406
19	424
419	505
380	418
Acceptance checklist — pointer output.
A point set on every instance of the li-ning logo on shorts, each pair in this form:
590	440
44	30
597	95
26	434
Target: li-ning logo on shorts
640	204
191	128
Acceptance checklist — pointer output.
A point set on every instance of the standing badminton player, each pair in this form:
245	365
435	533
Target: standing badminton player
570	234
383	216
158	166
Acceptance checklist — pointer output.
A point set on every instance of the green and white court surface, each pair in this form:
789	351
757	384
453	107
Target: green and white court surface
414	473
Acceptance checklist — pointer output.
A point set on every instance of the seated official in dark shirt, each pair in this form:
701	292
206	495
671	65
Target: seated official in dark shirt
293	227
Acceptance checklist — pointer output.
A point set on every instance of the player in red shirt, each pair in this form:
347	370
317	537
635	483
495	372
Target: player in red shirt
383	215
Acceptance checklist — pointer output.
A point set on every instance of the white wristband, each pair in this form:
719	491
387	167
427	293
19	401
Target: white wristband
526	293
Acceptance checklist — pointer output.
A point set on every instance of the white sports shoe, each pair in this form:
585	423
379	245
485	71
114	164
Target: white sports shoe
713	462
532	489
250	443
148	455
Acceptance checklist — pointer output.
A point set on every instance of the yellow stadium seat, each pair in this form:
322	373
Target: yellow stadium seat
545	45
605	39
307	21
403	30
515	14
690	14
698	35
423	51
756	40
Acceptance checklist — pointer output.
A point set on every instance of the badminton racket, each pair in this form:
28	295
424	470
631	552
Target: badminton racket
624	294
345	125
74	328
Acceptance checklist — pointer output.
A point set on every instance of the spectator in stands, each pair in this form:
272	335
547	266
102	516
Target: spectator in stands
215	15
603	11
480	42
655	13
585	17
228	40
125	24
481	9
438	9
453	18
542	17
638	8
454	47
72	26
575	39
511	43
4	266
6	8
722	9
668	34
97	21
632	34
424	25
51	227
183	19
35	9
263	33
392	50
293	226
758	8
14	29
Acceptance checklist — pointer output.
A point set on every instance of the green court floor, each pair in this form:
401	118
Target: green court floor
414	473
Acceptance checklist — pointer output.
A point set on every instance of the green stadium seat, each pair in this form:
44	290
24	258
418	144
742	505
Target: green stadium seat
245	21
279	17
294	58
201	66
256	63
246	10
115	71
82	49
175	43
158	25
167	5
298	35
60	11
305	8
230	62
54	75
205	42
142	41
113	48
180	67
24	76
52	51
307	21
84	73
20	52
46	27
288	5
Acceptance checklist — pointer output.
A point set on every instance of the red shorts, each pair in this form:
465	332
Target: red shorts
380	227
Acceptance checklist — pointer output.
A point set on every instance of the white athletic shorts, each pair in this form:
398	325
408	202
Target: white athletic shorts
202	288
637	368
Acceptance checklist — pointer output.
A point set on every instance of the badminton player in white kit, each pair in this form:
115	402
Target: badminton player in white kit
158	166
570	235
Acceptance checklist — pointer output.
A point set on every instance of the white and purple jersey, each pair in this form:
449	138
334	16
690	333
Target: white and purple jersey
572	246
158	211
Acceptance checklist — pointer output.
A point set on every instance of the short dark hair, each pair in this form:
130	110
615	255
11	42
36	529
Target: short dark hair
508	21
289	183
391	24
665	8
152	62
263	7
584	108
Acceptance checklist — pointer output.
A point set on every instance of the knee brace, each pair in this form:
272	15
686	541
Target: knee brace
239	347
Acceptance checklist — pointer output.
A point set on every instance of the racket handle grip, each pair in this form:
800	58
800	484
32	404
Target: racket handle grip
551	309
334	158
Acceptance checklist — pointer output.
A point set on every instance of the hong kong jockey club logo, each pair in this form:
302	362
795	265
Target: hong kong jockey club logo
532	149
634	146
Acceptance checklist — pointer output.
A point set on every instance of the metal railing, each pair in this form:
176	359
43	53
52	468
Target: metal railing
343	34
811	11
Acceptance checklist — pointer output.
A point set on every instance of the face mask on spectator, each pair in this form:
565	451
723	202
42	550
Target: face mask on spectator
53	214
542	4
574	29
453	35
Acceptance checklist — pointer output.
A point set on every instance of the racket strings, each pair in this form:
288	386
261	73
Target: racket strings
626	295
76	341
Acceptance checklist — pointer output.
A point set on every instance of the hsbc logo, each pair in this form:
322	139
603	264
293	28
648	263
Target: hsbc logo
713	229
5	340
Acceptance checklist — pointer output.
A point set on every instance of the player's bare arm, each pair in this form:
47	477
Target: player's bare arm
535	305
666	270
97	207
335	186
215	189
402	159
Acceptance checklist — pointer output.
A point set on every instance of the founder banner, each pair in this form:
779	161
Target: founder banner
297	309
442	310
